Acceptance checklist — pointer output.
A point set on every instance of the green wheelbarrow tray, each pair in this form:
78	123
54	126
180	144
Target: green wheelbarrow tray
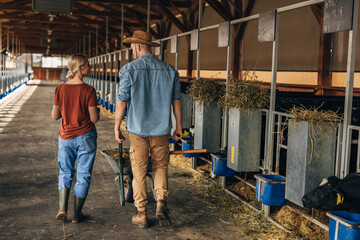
125	186
114	161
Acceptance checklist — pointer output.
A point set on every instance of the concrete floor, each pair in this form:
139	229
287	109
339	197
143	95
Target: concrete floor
28	183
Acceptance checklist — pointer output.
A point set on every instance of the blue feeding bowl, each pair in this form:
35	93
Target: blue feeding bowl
186	145
270	189
219	165
344	225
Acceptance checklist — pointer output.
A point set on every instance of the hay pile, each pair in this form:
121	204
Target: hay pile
303	228
230	210
315	115
320	215
246	93
245	192
204	169
180	161
205	90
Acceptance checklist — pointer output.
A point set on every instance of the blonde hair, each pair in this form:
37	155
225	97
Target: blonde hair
75	61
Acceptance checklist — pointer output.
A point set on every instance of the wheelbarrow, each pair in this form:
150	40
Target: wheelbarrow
120	159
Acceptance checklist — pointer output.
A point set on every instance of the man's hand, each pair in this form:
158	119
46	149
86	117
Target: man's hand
177	134
119	137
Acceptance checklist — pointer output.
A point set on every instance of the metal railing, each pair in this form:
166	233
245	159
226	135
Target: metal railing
12	74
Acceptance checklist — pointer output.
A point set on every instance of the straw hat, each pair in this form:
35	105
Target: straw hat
140	37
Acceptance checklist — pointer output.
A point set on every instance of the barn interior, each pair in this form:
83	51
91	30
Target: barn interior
302	57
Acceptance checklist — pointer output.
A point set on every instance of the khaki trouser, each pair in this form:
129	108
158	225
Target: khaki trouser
139	154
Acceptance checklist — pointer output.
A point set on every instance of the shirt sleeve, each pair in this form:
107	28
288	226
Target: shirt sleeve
124	86
56	96
93	99
177	88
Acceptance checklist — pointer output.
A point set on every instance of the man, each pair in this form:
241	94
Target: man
147	89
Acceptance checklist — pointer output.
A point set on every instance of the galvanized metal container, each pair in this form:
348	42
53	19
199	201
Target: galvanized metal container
244	140
186	108
310	157
207	127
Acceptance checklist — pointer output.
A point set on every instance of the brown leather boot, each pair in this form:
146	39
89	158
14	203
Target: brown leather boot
140	219
162	213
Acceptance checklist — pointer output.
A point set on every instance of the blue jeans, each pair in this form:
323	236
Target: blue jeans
82	148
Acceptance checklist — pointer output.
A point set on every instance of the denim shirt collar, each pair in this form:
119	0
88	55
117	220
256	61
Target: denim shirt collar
147	55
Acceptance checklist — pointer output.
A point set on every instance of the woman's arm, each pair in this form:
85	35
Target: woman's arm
55	112
94	114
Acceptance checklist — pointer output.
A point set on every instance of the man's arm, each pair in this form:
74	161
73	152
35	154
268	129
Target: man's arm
55	114
119	115
178	116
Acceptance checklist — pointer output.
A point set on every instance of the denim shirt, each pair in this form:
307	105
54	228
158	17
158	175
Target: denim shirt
149	86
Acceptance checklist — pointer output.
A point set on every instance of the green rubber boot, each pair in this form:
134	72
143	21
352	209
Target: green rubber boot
63	203
78	205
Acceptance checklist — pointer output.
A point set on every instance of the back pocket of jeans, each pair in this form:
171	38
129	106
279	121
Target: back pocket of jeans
88	143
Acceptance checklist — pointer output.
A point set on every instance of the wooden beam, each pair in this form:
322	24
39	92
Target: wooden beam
39	26
237	38
317	11
116	9
185	21
166	34
170	16
190	55
57	20
324	57
75	11
220	9
179	4
141	21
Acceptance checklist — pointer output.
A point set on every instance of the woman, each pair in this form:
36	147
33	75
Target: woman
76	103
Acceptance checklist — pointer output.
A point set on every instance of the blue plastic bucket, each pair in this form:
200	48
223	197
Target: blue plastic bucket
111	107
219	165
344	225
114	108
101	101
186	145
270	189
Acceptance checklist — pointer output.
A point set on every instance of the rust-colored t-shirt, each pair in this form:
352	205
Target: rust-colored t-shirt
74	102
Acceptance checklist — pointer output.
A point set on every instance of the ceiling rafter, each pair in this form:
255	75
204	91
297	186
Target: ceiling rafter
186	22
317	10
221	9
57	20
116	9
179	4
171	16
141	21
75	11
67	29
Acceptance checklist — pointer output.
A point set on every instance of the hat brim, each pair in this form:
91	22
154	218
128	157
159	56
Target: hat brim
138	40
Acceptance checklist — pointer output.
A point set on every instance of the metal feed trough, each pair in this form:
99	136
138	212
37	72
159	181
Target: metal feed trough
207	126
310	157
244	140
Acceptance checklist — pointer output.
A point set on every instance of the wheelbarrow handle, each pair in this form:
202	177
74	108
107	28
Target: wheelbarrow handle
121	179
189	151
